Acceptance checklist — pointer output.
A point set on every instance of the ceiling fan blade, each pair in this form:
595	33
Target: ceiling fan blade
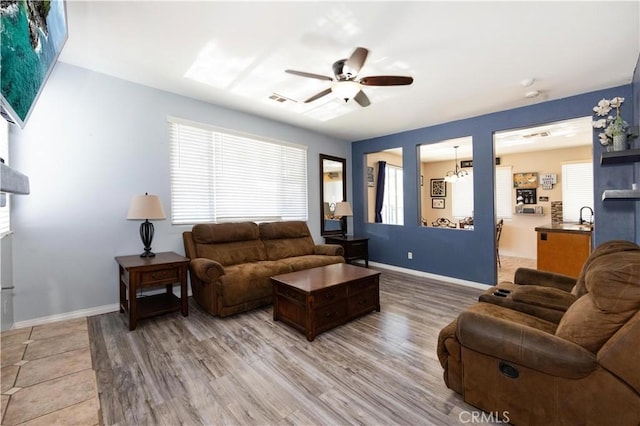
386	80
308	74
362	99
356	60
318	95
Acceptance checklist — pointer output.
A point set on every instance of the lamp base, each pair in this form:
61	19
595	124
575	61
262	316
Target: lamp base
148	253
146	234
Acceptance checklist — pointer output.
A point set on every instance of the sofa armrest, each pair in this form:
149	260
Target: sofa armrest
545	297
526	276
524	345
328	249
206	270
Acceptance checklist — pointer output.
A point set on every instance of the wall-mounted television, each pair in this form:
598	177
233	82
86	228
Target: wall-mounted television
33	33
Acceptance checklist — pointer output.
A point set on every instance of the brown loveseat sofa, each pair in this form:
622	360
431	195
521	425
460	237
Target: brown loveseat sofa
531	371
231	263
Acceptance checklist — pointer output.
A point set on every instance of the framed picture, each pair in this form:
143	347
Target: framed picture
525	180
33	34
438	188
437	203
370	176
525	196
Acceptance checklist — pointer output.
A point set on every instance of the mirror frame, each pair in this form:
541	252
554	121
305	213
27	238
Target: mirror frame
343	226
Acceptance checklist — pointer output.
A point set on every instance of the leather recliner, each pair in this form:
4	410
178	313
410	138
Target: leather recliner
548	295
584	370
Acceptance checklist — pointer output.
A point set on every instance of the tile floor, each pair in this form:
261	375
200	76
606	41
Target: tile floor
47	375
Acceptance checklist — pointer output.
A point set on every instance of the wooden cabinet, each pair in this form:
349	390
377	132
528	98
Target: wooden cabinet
319	299
354	247
563	252
136	273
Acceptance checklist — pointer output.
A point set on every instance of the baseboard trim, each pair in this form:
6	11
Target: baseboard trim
98	310
423	274
105	309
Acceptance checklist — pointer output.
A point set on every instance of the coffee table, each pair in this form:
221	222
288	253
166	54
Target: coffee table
319	299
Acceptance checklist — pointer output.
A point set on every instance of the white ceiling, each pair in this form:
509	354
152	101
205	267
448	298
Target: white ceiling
467	58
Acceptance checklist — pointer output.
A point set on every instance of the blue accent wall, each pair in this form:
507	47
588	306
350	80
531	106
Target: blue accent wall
471	255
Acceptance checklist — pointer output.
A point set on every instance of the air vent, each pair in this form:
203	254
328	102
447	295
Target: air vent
281	99
537	135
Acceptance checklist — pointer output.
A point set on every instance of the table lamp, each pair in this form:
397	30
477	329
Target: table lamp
343	209
145	207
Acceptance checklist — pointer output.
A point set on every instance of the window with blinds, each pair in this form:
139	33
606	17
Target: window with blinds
504	192
5	217
462	197
222	176
577	189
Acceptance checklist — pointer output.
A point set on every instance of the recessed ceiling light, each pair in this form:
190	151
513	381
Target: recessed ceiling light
527	82
532	94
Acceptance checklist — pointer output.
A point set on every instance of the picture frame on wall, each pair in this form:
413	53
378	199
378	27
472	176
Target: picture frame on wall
437	203
525	180
33	35
370	180
438	188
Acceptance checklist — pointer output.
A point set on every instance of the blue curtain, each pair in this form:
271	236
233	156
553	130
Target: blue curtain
382	165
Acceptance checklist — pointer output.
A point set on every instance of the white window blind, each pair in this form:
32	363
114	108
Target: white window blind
393	203
219	176
462	197
504	191
5	218
577	189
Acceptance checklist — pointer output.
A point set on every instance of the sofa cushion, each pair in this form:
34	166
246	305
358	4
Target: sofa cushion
613	298
212	233
229	243
309	261
286	239
249	281
603	249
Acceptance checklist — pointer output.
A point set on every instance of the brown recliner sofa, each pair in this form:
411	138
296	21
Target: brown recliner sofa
231	263
583	370
548	295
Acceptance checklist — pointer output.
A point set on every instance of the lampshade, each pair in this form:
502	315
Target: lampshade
345	89
146	207
343	209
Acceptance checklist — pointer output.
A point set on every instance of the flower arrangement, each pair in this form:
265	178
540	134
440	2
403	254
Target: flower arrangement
613	126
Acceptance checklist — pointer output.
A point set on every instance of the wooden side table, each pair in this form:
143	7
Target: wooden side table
354	247
137	272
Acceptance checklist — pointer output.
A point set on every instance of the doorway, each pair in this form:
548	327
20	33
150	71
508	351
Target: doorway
529	158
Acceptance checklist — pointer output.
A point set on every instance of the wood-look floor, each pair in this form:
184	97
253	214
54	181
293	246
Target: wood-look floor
381	369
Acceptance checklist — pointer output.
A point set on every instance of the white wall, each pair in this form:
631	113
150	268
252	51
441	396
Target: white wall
93	142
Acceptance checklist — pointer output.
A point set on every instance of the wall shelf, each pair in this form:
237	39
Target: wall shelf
621	194
620	157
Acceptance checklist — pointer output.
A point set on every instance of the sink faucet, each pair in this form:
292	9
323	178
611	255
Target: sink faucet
590	218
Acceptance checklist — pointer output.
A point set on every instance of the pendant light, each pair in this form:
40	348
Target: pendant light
457	174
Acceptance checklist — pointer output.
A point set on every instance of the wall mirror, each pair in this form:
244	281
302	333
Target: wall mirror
446	184
333	189
385	198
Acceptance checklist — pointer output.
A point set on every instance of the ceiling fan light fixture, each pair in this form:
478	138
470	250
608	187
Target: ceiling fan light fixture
345	89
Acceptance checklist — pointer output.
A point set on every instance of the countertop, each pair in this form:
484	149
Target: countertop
566	227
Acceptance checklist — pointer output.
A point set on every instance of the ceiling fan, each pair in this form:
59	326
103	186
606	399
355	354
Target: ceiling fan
346	86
